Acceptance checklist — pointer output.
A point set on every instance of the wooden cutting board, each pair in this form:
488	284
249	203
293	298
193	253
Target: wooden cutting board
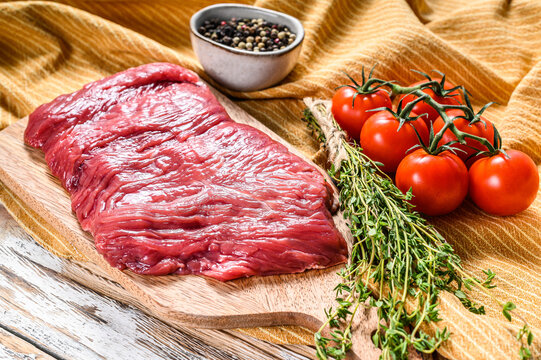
296	299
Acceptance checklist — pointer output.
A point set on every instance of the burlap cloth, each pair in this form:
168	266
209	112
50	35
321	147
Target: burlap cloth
493	47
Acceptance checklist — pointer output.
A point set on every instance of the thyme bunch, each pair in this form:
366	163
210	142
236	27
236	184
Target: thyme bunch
398	262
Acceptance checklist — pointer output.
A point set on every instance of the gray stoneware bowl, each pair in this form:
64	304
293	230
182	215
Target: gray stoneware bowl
243	70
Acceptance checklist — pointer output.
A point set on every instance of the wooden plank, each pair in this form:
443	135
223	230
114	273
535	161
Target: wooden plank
90	275
42	305
296	299
14	347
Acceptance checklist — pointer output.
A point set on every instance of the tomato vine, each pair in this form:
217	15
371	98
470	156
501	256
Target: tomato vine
438	88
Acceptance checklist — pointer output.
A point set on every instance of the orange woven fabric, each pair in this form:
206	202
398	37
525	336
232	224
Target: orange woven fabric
493	47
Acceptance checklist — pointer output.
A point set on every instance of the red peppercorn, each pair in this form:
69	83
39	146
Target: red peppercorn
277	40
223	23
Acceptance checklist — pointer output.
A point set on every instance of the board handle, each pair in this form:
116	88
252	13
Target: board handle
365	325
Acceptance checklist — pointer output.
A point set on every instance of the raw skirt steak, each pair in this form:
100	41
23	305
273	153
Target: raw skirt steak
166	182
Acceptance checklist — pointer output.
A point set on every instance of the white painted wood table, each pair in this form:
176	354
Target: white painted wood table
45	314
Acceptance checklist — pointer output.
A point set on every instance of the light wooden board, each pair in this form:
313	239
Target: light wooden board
297	299
13	347
46	315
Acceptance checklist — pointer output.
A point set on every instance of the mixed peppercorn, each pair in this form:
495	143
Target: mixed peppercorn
255	35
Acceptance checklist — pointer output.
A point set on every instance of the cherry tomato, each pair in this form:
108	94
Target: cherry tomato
478	129
504	186
422	107
352	116
439	183
382	141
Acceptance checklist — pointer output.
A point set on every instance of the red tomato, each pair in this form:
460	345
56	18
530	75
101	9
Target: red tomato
351	117
439	183
382	142
504	186
478	129
422	107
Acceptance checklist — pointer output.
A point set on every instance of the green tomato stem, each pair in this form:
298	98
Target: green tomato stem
433	147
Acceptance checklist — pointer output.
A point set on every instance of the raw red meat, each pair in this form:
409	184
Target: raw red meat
167	183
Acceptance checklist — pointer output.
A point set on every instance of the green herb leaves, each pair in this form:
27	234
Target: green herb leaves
509	306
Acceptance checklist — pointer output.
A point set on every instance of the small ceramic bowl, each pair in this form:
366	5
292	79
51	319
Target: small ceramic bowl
244	70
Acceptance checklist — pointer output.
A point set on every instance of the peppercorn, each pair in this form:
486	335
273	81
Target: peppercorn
255	35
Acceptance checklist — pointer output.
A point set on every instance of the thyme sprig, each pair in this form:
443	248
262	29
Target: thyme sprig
398	262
